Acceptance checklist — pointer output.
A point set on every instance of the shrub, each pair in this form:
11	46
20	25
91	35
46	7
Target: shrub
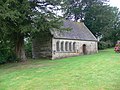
28	48
7	57
104	45
117	48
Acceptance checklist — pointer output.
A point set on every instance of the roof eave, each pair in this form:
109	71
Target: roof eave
75	39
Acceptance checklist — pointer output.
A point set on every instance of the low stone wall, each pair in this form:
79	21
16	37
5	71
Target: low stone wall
91	47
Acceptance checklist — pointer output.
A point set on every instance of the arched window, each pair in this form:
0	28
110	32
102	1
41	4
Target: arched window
70	46
62	46
74	48
66	46
57	46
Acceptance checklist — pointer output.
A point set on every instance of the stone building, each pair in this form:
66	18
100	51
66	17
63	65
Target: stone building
59	44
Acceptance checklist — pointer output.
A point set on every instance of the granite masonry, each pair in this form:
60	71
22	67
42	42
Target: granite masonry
60	44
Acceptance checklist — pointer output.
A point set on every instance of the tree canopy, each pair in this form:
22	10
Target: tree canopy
76	9
21	18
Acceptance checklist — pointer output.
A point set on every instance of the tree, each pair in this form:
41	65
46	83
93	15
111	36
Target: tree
102	20
21	18
76	9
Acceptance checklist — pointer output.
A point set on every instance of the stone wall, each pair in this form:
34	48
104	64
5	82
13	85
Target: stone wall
47	47
65	48
41	46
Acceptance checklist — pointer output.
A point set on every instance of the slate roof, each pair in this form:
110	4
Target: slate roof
78	31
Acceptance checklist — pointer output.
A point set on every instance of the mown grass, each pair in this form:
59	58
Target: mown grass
91	72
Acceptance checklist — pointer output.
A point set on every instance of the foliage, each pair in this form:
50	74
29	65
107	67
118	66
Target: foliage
104	45
6	53
7	56
76	9
21	18
91	72
102	20
117	47
28	48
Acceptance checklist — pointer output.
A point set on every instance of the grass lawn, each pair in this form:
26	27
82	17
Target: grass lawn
91	72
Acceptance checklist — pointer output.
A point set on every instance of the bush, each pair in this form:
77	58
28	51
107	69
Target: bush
104	45
6	55
4	58
28	48
117	48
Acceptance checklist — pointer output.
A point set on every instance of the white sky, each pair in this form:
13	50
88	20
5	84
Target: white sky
115	3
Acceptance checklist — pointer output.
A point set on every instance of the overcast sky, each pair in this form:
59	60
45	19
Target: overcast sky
115	3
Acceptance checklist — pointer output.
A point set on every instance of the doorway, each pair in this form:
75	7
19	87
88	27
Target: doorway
84	49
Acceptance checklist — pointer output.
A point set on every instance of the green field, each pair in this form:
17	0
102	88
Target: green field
91	72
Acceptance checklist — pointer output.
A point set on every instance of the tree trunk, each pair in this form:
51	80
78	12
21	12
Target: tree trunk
19	47
76	18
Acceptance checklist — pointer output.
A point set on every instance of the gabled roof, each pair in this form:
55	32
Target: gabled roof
78	31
